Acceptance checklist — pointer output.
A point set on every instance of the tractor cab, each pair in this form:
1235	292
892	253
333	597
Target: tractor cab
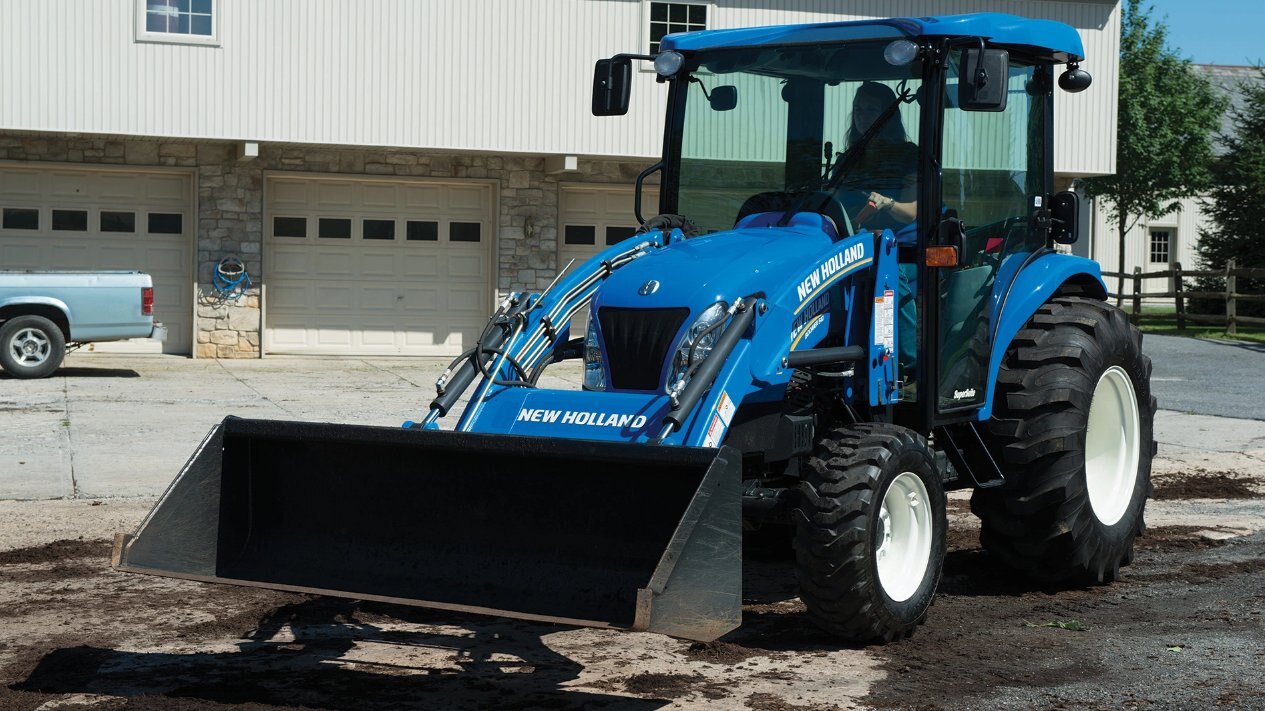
938	132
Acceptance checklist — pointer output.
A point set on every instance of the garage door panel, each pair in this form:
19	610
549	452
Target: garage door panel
467	300
472	267
334	334
394	296
288	337
333	195
379	196
330	298
290	262
379	299
281	296
421	265
335	264
165	259
382	265
288	193
426	198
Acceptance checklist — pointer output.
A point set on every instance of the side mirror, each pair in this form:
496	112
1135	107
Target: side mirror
983	80
723	98
612	82
1065	217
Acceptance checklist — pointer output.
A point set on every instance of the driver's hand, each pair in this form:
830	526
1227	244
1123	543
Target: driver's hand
881	202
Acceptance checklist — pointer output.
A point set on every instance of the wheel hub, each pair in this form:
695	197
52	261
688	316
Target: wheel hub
31	347
1112	445
902	537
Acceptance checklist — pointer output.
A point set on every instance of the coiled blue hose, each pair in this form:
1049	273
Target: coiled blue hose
230	279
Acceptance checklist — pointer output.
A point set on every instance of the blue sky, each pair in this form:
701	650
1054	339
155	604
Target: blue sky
1215	31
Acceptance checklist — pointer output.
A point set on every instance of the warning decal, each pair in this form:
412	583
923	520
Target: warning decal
885	320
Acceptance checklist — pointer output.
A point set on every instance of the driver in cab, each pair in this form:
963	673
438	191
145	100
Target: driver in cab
887	169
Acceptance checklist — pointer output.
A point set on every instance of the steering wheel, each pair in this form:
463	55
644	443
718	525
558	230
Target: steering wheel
824	203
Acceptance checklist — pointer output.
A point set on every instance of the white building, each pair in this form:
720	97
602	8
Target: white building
383	169
1154	243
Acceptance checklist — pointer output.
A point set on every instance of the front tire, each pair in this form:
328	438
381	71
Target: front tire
870	533
1072	431
31	347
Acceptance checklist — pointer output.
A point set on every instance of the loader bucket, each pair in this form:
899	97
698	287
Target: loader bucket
589	533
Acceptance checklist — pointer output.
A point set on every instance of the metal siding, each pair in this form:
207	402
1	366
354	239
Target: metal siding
1187	222
486	75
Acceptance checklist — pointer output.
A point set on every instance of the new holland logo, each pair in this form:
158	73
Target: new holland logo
648	288
590	419
822	274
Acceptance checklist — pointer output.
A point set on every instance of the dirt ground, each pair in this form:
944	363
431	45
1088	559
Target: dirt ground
1185	628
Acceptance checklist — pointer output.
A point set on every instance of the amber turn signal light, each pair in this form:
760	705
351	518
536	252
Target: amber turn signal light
942	256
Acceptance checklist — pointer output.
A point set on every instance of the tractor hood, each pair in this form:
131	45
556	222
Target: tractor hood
722	266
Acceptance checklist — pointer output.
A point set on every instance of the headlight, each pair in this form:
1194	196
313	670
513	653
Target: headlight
594	376
699	338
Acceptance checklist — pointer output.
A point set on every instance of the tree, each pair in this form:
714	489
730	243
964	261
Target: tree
1236	205
1167	117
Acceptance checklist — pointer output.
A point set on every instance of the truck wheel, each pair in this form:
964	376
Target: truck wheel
1072	433
31	347
870	532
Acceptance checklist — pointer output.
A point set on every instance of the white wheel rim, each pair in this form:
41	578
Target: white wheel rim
904	537
30	347
1112	445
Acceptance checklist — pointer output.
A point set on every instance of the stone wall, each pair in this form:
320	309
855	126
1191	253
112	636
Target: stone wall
230	207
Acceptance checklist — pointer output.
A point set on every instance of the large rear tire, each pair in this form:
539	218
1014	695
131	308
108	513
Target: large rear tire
31	347
1072	432
870	532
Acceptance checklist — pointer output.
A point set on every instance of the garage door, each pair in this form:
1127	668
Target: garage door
593	217
59	218
376	267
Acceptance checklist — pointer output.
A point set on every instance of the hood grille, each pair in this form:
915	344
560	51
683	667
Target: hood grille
637	343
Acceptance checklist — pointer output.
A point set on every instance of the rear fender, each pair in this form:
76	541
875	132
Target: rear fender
1034	285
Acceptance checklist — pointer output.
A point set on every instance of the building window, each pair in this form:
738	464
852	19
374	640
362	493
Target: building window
579	234
184	21
118	221
377	229
669	17
21	218
70	220
289	227
166	223
615	235
333	228
1161	246
421	231
463	232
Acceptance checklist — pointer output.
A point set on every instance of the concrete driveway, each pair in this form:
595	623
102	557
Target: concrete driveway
1207	377
122	426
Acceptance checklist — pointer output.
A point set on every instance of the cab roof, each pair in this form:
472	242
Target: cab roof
1045	38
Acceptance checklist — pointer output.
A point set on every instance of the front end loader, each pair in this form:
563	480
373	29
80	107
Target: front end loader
775	354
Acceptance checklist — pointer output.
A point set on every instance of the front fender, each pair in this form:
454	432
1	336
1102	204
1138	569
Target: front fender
1034	285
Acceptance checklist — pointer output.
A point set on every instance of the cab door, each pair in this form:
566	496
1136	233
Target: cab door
995	176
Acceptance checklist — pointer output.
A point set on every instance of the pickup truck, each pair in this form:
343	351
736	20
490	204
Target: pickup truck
41	313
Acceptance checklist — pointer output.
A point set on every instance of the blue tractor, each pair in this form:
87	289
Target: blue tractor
830	322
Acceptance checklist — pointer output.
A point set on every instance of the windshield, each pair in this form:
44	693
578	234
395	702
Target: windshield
780	119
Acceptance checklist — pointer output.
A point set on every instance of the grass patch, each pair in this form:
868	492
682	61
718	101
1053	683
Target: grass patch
1168	328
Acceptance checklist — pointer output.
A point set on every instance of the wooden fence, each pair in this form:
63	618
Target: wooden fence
1178	293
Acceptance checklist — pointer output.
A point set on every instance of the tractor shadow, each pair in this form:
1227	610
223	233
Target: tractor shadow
341	654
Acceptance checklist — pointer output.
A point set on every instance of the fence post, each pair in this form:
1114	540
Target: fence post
1137	296
1178	299
1230	284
